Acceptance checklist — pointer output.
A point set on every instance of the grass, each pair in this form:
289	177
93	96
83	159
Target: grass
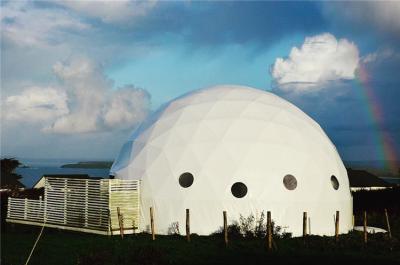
63	247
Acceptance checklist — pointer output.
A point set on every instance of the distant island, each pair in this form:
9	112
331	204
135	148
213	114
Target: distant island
89	164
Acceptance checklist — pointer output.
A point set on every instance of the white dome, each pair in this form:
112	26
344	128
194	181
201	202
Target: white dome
227	134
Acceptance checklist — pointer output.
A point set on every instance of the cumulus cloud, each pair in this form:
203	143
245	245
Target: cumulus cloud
85	101
111	11
380	55
36	104
25	25
126	106
320	59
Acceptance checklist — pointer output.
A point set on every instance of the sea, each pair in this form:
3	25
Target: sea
392	180
34	169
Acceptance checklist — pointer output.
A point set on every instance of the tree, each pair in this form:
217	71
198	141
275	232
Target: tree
9	179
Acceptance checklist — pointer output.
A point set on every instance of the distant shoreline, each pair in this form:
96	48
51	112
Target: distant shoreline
89	164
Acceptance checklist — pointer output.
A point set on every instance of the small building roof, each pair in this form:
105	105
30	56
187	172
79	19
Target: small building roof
362	178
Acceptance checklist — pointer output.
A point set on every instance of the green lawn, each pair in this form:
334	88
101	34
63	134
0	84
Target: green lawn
62	247
58	247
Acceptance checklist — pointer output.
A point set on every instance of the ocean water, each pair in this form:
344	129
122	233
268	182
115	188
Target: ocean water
39	167
36	168
392	180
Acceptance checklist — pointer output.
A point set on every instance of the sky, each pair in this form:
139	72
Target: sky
78	77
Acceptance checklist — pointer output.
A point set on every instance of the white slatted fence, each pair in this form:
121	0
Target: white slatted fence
86	205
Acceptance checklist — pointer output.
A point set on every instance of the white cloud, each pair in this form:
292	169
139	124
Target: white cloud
86	86
120	11
85	102
380	55
319	60
126	106
25	25
36	104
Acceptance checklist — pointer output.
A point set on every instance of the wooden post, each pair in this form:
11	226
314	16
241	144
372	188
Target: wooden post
87	202
9	207
25	208
269	231
46	184
153	235
110	228
304	224
41	211
121	224
353	221
337	226
388	224
65	201
225	229
187	225
365	228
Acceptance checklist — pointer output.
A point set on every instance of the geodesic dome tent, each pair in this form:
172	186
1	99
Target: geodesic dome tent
240	150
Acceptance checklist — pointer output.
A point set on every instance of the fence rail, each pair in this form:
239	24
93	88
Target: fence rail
81	205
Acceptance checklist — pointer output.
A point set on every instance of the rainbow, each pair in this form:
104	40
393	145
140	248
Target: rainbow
385	144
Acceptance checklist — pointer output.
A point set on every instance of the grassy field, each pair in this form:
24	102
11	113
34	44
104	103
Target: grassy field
63	247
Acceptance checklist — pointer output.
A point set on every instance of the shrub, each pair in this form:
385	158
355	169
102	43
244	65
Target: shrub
173	229
251	227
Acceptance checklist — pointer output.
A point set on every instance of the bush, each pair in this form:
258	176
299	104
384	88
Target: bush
250	227
173	229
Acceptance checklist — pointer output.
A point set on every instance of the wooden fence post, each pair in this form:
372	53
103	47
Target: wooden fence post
337	226
365	228
120	222
25	208
41	211
110	229
65	200
269	231
225	229
9	207
304	224
87	202
188	225
153	235
388	224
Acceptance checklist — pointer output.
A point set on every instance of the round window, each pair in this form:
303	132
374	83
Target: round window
290	182
239	190
334	182
186	180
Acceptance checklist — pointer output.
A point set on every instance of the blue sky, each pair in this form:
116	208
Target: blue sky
169	72
68	68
